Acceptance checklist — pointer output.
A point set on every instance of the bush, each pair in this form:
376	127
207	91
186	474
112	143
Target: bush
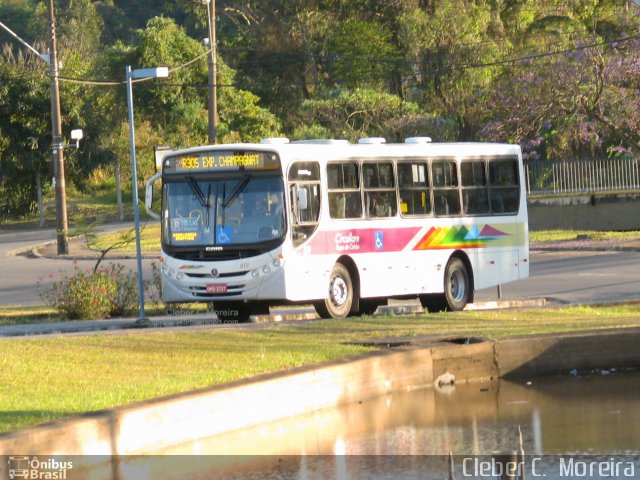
125	300
88	295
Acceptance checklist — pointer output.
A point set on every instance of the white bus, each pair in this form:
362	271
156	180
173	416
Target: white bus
342	226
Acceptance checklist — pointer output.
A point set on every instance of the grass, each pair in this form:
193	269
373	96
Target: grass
149	240
43	379
99	204
542	236
19	315
15	315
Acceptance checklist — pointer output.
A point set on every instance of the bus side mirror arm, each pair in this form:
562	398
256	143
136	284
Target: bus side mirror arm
148	197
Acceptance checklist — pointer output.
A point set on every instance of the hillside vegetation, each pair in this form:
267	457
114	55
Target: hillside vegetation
559	77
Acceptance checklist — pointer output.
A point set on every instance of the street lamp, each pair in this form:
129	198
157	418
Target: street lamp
158	72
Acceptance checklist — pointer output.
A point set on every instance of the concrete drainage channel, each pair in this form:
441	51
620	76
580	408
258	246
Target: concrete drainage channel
162	425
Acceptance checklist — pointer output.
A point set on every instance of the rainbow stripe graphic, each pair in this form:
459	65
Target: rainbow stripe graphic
458	237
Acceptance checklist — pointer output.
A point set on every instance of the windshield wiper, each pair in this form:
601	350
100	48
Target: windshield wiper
208	207
195	188
204	200
236	191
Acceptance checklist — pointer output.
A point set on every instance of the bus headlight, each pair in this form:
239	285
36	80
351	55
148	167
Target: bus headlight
171	272
179	276
255	273
277	262
266	269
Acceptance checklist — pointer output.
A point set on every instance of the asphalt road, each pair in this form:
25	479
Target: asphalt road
576	278
22	277
560	277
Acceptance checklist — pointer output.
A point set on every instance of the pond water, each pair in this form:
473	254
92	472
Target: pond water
570	426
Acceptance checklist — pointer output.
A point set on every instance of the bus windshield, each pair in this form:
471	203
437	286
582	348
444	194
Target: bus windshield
221	213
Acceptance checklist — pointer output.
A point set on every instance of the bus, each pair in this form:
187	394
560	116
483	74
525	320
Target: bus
340	225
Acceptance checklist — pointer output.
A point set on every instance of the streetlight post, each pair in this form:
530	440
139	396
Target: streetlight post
213	94
57	146
159	72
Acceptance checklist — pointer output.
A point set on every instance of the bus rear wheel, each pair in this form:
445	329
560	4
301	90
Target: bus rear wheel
340	299
457	285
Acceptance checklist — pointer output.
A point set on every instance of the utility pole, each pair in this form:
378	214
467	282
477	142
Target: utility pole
213	95
57	146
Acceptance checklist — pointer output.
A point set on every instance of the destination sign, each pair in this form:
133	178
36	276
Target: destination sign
222	160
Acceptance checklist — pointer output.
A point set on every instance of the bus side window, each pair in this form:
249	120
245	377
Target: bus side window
504	186
379	189
446	197
343	182
475	195
413	183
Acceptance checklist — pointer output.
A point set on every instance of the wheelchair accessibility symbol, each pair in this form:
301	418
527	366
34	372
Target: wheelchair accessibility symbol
379	240
224	235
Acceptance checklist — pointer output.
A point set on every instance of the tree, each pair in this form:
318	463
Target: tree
362	55
24	134
579	105
444	44
353	114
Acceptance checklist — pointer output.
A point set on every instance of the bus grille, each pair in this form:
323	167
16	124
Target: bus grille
195	255
222	275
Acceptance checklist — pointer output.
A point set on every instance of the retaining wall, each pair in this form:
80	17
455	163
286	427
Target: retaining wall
585	212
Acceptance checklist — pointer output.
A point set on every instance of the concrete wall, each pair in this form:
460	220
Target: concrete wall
585	212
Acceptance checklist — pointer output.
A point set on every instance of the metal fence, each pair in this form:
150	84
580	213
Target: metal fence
582	176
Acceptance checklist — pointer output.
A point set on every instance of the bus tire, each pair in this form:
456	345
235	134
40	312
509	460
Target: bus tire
232	311
457	285
340	298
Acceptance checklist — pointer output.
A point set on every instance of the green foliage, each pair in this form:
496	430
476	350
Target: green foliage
24	127
558	78
353	114
81	295
365	63
93	295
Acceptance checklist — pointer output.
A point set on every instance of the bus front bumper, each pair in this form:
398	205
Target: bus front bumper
263	280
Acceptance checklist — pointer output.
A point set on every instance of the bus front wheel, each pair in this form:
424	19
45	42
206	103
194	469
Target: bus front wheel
457	285
340	299
232	311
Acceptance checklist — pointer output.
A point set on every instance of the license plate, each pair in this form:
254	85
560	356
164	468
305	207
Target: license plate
217	288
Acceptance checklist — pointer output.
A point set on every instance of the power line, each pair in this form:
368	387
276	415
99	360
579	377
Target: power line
108	83
297	57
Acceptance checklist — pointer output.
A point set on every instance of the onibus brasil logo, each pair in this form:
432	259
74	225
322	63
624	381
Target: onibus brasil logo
35	468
